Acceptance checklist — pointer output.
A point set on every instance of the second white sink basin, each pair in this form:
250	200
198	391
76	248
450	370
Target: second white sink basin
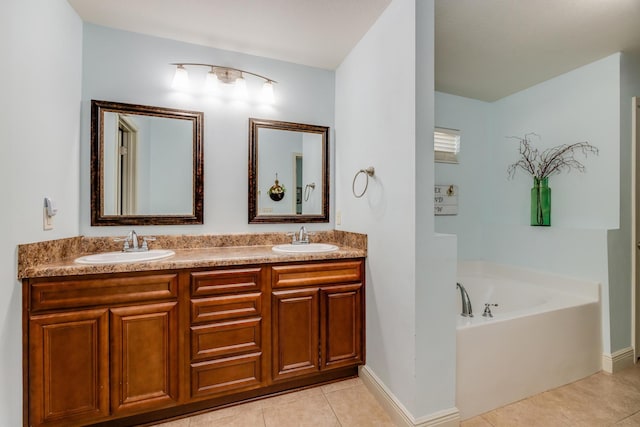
123	257
305	248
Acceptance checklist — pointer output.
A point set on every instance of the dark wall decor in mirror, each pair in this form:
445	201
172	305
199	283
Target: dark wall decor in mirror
288	172
146	165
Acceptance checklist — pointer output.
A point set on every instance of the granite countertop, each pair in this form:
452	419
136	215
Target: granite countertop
56	257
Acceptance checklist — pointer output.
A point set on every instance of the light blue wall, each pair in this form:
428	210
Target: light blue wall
621	240
375	126
472	119
584	104
128	67
41	47
410	271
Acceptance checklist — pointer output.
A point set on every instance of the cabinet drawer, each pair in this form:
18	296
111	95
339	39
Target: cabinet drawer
283	276
226	307
225	339
225	281
223	375
93	292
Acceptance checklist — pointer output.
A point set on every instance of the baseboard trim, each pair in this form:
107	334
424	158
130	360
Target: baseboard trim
398	412
617	360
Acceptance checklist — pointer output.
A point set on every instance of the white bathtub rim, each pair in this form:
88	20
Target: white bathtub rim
478	320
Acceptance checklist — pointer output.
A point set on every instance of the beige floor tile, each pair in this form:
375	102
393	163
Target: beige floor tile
177	423
245	418
476	422
355	407
208	418
341	385
600	399
290	397
532	412
313	411
184	422
632	421
630	375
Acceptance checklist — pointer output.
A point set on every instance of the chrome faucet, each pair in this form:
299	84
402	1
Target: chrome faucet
301	237
467	311
134	246
133	236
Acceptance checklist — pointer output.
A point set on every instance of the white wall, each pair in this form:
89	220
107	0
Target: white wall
385	119
41	47
128	67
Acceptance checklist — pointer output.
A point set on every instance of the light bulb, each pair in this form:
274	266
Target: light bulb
267	92
241	88
211	82
181	78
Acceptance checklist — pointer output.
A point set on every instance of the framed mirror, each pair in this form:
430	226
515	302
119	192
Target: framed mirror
288	172
146	165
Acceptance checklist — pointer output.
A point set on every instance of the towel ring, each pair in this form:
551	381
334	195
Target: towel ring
308	189
370	171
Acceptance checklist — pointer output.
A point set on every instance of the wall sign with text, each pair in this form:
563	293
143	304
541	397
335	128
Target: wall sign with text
445	200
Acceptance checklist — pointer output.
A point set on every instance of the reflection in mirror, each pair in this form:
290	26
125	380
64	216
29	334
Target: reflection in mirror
146	165
288	172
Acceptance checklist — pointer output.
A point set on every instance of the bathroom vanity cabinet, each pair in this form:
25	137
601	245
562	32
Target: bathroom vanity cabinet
139	347
317	317
100	347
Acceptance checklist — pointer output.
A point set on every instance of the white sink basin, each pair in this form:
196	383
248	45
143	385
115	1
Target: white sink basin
123	257
305	248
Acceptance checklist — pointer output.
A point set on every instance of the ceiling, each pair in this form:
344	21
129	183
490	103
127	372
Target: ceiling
488	49
318	33
485	49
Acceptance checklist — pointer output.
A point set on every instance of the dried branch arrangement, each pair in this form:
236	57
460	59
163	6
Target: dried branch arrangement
551	161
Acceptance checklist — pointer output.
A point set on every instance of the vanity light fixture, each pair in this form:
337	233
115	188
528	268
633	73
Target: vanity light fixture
226	75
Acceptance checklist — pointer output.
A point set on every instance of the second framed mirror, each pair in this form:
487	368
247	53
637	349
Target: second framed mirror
288	172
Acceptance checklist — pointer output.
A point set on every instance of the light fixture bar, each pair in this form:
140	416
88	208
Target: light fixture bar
222	68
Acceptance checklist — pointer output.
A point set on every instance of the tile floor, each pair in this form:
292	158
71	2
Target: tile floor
599	400
342	404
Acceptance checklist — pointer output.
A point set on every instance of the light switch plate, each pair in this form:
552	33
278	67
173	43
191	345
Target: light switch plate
47	221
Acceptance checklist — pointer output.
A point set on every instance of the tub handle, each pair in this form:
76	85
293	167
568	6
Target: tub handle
487	310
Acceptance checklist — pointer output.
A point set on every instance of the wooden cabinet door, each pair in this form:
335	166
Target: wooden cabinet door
144	357
295	332
68	367
341	331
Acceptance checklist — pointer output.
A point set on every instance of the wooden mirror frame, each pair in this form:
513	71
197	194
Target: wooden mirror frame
98	218
254	126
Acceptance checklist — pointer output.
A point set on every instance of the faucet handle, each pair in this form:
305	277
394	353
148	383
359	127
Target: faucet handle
293	237
125	240
145	245
487	310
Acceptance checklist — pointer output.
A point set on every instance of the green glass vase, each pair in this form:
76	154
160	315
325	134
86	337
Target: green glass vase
541	202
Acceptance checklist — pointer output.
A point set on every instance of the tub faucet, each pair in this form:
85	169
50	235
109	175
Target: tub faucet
467	311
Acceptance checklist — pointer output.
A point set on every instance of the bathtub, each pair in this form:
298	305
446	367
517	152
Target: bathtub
545	333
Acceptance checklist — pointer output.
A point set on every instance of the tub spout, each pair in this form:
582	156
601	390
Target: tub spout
467	311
